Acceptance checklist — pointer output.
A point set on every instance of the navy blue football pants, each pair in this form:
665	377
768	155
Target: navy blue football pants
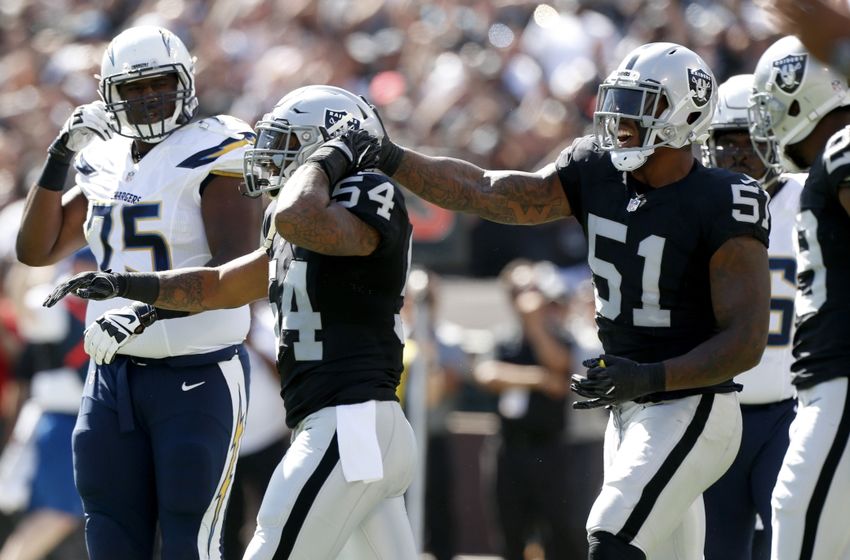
157	441
732	502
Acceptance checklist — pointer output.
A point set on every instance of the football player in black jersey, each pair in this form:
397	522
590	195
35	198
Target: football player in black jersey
679	261
806	106
334	266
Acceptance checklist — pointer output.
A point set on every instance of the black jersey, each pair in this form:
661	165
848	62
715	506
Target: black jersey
337	319
822	338
649	250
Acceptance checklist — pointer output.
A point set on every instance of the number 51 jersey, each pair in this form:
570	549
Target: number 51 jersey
649	250
337	321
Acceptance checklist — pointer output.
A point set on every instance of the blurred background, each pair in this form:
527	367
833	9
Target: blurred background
504	84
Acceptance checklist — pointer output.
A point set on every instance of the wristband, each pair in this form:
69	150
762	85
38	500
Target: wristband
656	377
170	313
140	286
391	156
331	162
53	174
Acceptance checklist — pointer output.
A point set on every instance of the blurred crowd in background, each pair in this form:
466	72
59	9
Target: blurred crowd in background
502	83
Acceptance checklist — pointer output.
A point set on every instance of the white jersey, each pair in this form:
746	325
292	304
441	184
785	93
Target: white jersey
146	217
770	380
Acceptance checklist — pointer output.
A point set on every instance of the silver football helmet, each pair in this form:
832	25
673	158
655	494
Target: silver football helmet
667	90
731	115
301	122
146	52
792	91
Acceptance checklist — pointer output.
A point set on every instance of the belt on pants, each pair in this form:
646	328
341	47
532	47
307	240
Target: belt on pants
124	401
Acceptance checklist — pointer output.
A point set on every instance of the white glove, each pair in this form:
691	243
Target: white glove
84	123
110	332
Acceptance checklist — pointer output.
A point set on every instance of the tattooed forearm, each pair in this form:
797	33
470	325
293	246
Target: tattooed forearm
509	197
183	291
329	230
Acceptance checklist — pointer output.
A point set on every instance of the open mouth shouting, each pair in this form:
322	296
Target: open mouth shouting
627	134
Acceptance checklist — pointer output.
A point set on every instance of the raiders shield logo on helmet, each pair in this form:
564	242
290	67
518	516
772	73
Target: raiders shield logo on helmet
700	85
789	71
333	120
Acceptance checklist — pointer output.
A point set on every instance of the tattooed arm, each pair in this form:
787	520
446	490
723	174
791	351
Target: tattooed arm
232	284
306	217
508	197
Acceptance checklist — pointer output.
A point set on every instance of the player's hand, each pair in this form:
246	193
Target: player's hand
86	122
612	380
346	154
112	330
390	156
89	285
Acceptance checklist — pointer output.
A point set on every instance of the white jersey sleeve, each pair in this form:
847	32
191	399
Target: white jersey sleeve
770	380
146	216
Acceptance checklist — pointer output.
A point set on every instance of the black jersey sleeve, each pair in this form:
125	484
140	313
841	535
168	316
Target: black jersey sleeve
734	205
379	202
569	168
836	160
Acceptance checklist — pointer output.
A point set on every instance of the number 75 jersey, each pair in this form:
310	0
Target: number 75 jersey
649	249
337	321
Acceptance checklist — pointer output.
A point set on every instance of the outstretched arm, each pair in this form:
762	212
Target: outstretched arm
508	197
232	284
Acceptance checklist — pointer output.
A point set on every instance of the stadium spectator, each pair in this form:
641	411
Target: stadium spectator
529	370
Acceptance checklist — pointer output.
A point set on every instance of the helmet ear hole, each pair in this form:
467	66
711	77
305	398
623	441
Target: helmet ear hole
693	117
794	108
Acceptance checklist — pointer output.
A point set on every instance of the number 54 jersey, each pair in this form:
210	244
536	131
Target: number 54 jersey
649	250
337	321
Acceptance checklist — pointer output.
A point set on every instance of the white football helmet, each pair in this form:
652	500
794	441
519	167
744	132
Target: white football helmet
145	52
731	115
667	89
792	91
301	122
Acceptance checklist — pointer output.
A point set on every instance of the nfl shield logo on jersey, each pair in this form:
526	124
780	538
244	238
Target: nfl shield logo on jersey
700	85
336	119
790	71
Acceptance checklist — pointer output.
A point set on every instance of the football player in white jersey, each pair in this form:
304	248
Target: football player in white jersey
767	399
805	105
156	188
334	267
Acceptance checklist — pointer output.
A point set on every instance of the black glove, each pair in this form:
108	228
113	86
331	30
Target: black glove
90	285
390	157
612	380
346	154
